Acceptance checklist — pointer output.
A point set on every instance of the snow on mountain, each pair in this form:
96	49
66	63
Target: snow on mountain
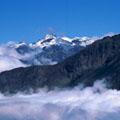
47	51
67	39
84	41
47	41
53	40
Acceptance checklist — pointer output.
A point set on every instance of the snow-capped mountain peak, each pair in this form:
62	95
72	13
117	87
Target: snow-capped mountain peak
53	40
47	41
84	41
50	36
20	44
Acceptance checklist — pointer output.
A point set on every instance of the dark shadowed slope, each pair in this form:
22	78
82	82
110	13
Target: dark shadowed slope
97	61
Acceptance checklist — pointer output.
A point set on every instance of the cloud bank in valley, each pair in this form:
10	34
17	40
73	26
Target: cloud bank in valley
91	103
9	58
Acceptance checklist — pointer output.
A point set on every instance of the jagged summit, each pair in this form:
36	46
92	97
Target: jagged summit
47	41
51	39
50	36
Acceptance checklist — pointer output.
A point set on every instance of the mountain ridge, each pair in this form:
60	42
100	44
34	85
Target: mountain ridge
99	60
47	51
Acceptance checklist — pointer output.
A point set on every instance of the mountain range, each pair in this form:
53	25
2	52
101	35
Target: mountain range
47	51
98	60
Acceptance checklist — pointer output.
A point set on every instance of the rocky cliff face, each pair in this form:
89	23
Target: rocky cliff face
100	60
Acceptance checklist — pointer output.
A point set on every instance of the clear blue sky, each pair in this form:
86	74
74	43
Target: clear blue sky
29	20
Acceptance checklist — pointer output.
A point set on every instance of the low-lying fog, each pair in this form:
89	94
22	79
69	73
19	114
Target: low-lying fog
91	103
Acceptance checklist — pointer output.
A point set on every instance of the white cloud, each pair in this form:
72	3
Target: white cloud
91	103
8	63
9	58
